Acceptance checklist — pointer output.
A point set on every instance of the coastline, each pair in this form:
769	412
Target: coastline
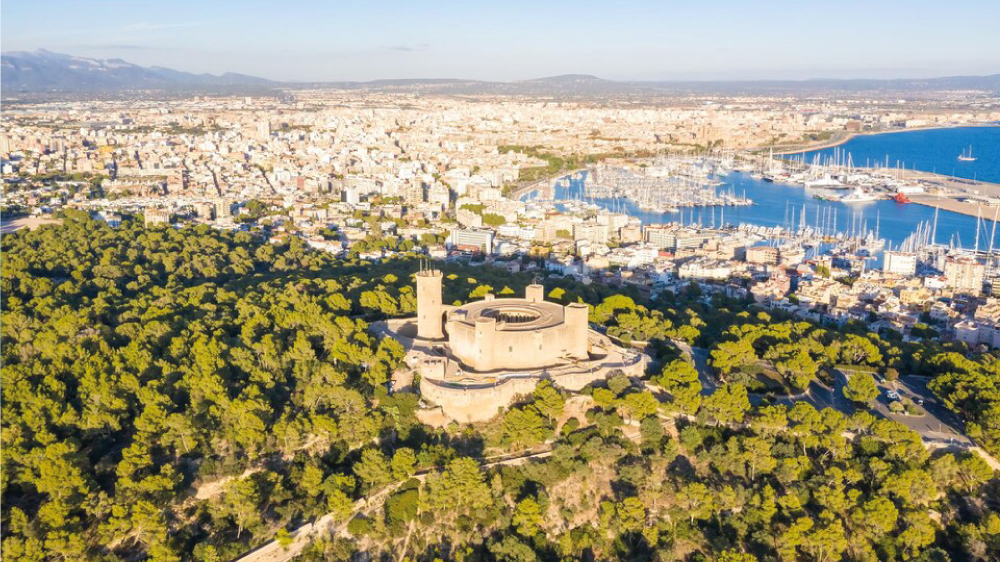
963	187
850	136
944	191
543	183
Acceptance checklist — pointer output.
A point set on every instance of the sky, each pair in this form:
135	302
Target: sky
513	39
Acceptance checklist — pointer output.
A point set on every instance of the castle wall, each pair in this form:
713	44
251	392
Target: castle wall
470	404
484	348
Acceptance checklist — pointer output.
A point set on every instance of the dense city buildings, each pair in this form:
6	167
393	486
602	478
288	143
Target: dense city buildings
338	323
378	173
734	297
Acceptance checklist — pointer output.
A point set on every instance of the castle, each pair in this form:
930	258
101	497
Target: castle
478	358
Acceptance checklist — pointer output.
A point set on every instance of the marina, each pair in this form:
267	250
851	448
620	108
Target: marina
666	186
788	214
937	151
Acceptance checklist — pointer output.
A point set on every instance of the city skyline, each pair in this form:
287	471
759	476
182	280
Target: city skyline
646	42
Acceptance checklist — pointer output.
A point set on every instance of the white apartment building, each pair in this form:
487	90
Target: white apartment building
900	263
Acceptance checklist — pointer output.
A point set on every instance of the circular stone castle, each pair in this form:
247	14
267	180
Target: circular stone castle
476	359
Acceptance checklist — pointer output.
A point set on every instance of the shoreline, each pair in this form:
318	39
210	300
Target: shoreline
950	204
543	183
850	136
959	188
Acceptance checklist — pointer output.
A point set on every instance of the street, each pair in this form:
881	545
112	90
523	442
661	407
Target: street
937	425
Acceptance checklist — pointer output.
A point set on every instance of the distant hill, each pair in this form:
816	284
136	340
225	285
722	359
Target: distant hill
45	71
570	79
990	83
585	85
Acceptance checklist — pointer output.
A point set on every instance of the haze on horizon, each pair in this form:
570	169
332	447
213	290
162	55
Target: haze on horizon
643	40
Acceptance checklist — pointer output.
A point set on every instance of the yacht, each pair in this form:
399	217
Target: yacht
825	181
859	196
967	156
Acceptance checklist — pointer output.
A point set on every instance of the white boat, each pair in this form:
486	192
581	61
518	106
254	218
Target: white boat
967	156
825	181
859	196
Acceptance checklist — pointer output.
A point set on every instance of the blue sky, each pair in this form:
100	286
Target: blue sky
505	40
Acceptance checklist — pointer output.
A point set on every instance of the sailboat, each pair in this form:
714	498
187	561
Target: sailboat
967	156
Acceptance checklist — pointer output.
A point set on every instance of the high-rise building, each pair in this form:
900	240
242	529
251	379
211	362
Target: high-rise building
223	208
591	232
472	240
964	274
264	130
765	255
900	263
153	216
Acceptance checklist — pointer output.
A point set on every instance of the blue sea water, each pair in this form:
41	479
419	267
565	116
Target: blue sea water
929	150
932	150
775	203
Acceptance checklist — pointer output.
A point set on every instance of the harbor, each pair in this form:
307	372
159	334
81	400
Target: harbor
788	213
666	184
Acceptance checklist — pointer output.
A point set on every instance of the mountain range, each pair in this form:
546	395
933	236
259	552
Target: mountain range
47	72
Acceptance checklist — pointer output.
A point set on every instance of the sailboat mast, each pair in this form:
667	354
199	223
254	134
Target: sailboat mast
993	233
934	234
978	218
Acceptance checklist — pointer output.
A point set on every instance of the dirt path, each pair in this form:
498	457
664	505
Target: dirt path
575	407
209	490
271	551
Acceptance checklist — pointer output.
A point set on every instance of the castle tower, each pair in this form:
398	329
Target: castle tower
577	328
429	309
534	293
486	335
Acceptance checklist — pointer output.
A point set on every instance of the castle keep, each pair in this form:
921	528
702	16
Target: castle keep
476	359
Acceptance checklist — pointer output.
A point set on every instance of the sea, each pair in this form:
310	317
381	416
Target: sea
777	204
927	150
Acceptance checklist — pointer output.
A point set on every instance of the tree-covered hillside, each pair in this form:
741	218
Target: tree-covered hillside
191	394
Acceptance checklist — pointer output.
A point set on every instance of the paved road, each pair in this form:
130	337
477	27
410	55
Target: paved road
699	356
819	395
939	428
937	425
